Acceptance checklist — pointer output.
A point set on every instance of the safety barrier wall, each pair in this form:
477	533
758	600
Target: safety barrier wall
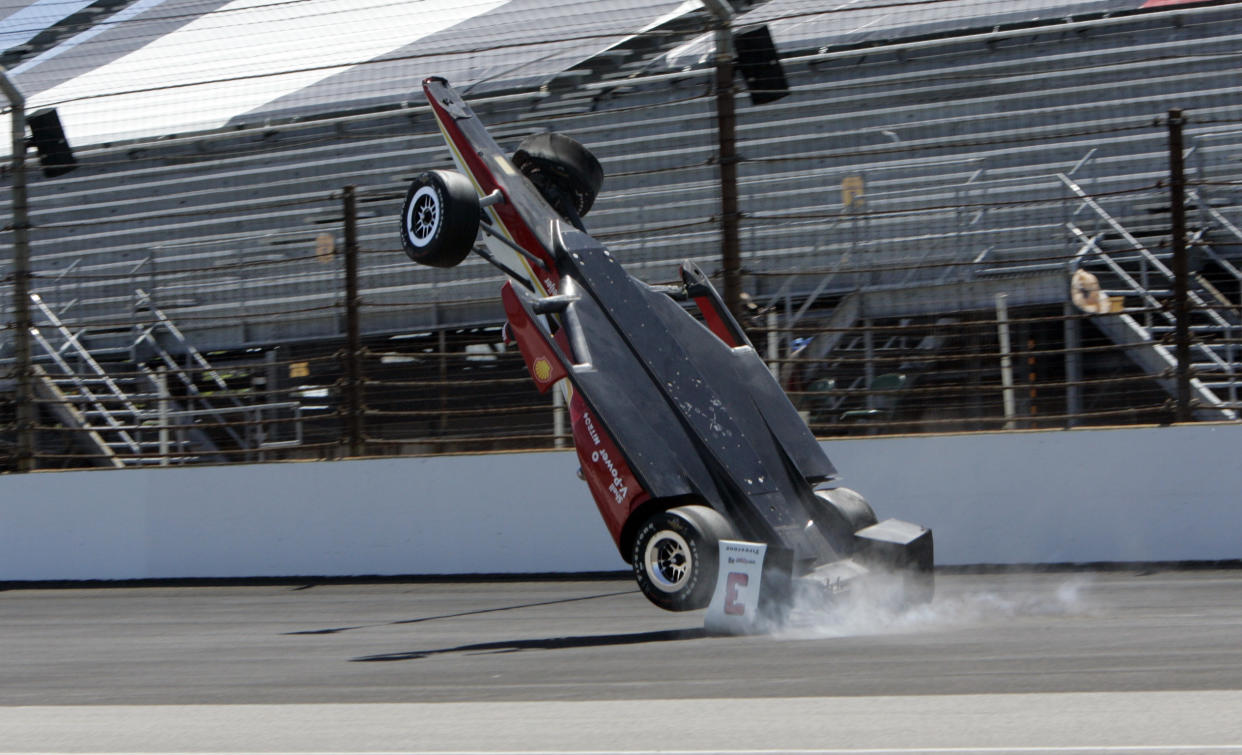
1140	494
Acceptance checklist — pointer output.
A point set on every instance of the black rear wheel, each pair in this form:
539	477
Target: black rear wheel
440	218
561	169
676	554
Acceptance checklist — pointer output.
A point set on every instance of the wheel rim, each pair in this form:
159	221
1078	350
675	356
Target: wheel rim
423	219
669	561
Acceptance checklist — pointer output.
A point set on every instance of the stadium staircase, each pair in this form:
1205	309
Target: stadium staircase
847	374
1117	233
115	389
1130	258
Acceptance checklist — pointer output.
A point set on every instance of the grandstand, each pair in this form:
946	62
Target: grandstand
929	157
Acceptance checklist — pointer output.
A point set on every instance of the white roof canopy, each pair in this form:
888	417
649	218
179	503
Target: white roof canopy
161	67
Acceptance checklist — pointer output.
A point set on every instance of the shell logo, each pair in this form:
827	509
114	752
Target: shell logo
543	369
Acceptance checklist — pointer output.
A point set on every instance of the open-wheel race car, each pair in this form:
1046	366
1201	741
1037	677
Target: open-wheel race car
684	437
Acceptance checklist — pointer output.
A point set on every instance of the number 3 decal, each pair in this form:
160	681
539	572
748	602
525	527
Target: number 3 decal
731	606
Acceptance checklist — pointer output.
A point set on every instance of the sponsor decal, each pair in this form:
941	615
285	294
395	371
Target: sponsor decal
543	369
617	487
590	426
735	603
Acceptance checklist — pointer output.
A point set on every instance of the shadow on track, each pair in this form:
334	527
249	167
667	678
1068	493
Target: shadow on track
551	643
337	630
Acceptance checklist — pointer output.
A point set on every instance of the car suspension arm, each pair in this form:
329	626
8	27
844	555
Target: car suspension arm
486	254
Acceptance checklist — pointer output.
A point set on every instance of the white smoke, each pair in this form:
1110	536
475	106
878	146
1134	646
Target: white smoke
876	605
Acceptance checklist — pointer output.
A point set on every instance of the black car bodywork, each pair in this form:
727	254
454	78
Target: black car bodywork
684	436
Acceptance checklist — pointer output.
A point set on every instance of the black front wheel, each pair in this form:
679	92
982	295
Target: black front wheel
676	554
440	218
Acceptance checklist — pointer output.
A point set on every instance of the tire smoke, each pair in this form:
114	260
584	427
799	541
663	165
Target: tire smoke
876	605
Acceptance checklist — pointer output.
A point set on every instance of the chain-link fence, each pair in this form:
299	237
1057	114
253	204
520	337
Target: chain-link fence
941	216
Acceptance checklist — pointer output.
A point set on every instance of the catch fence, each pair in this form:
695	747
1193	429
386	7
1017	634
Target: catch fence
960	232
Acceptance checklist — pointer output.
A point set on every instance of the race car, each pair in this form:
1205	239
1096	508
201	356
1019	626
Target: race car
684	437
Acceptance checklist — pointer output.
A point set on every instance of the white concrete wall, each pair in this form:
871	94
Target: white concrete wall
1144	494
1107	495
446	515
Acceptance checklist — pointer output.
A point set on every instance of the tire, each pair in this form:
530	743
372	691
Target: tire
440	218
559	167
676	554
839	513
850	505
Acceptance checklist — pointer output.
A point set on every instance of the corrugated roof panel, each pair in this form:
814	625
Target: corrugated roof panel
20	22
236	58
107	40
520	44
807	24
161	67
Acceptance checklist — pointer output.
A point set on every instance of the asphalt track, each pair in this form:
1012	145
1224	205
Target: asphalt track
1059	662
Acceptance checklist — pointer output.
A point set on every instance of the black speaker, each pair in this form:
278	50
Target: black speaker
49	141
757	60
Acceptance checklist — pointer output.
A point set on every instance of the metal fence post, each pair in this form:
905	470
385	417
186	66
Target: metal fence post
726	124
353	345
726	134
1181	310
1072	327
25	407
1006	357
